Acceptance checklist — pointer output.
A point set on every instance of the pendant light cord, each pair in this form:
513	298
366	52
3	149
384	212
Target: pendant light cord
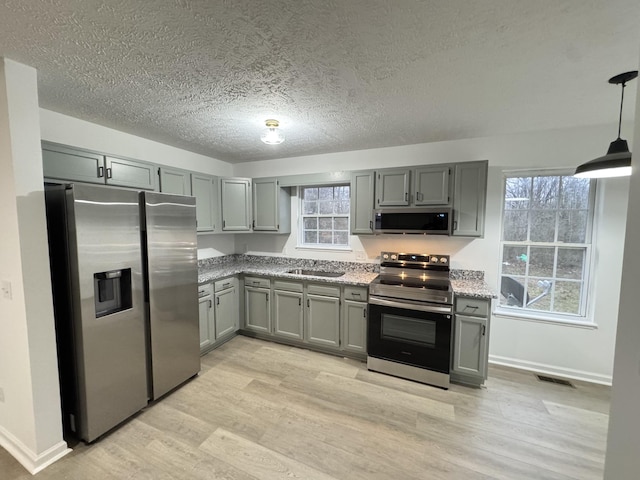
621	103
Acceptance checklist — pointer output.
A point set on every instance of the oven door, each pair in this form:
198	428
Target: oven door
413	333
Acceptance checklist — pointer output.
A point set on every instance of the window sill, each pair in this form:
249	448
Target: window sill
542	318
324	248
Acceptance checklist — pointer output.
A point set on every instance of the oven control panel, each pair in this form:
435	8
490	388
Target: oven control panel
389	258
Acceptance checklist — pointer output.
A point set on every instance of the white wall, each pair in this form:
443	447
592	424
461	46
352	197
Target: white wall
622	461
30	419
562	350
59	128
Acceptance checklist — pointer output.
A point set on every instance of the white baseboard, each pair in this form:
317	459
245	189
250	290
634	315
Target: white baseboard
551	370
31	461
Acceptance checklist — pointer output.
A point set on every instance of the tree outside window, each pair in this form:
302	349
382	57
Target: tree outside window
325	216
546	243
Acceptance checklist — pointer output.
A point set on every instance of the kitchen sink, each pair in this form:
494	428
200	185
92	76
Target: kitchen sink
316	273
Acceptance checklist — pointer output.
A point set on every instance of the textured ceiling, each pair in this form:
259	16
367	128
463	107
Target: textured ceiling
338	74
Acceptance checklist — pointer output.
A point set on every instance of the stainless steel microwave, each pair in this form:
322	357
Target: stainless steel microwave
434	221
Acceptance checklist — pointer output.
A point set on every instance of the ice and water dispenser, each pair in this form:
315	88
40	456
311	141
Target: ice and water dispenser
112	291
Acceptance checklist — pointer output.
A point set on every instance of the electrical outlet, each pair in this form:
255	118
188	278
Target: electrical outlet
1	395
5	287
361	256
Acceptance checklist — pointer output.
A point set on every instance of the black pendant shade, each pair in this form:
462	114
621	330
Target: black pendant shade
617	161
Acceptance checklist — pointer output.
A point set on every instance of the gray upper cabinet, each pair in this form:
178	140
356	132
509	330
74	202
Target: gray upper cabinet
392	187
469	198
76	165
362	202
61	163
431	185
175	181
271	206
130	173
205	189
236	204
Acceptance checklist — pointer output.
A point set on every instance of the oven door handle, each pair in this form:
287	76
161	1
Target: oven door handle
409	305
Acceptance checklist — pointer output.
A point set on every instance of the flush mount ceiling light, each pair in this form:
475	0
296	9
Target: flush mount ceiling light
272	136
617	161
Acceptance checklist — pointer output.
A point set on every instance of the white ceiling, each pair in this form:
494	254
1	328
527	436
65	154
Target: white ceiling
338	74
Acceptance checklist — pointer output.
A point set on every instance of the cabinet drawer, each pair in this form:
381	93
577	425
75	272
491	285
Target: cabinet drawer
257	282
288	286
326	290
355	293
205	290
472	306
224	284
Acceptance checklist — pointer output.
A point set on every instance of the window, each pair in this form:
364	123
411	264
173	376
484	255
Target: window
325	216
546	244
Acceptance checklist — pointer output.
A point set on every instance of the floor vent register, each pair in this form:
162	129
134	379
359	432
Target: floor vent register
559	381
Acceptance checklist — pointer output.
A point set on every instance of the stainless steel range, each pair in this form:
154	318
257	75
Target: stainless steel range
410	317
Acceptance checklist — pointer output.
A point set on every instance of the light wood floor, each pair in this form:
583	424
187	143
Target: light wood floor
259	410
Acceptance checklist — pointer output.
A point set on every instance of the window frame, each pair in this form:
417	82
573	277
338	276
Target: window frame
301	216
583	318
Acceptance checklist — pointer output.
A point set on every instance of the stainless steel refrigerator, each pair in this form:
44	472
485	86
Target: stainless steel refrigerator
124	276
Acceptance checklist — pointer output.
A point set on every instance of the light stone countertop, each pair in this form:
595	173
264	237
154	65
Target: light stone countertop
355	273
472	288
464	282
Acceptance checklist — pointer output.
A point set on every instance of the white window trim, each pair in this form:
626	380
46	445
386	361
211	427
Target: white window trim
583	321
318	247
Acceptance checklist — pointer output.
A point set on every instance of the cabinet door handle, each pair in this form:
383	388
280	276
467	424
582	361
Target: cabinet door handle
364	313
455	224
109	173
100	172
370	224
308	303
299	302
253	224
217	300
223	224
266	295
484	330
406	196
210	304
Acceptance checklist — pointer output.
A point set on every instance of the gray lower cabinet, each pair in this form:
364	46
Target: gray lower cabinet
354	319
470	341
175	181
257	305
469	198
354	330
288	313
206	317
227	317
362	200
77	165
236	204
322	322
205	190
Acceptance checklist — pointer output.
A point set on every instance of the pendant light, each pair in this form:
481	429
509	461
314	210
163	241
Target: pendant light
617	161
272	136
